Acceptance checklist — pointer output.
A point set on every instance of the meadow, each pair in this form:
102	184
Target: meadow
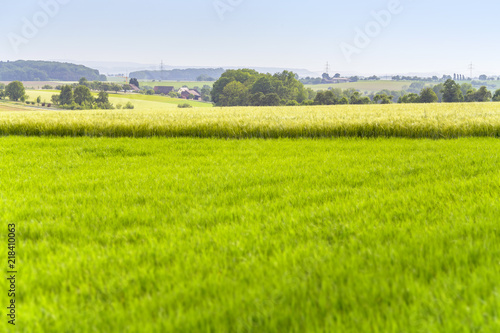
207	235
151	118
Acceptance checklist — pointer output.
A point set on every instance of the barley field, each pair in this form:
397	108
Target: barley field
152	119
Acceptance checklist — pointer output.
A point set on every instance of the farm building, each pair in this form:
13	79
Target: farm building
163	89
186	92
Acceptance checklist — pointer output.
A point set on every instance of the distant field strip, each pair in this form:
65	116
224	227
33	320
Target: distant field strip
410	121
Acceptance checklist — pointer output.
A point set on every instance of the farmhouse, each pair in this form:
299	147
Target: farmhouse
186	92
163	89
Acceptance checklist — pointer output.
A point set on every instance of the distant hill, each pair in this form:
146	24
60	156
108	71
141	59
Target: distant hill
46	71
190	74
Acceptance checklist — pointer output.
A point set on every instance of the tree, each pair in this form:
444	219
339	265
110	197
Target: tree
451	92
134	81
103	97
83	82
82	95
234	94
66	96
483	77
126	87
427	95
483	95
38	100
116	87
409	98
15	91
496	97
383	99
271	99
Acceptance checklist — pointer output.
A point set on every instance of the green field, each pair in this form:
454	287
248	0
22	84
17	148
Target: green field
144	102
208	235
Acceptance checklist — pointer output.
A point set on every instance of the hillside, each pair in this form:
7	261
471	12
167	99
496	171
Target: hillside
46	71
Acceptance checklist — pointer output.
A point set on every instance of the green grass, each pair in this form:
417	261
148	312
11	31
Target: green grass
205	235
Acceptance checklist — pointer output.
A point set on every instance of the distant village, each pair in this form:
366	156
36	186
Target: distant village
184	93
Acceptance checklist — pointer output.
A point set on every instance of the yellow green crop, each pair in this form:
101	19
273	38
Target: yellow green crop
398	120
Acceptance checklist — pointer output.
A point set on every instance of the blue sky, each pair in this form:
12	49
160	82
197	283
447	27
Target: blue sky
422	36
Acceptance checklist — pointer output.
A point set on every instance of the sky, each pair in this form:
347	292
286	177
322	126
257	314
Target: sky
355	37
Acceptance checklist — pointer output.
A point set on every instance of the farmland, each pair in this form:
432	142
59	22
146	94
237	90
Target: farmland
152	118
204	235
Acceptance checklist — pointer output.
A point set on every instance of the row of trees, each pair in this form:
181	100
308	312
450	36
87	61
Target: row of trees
448	92
247	87
102	86
80	98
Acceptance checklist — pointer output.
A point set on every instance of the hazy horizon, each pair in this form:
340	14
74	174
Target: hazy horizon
397	36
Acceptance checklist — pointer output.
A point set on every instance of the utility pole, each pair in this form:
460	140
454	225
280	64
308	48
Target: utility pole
471	68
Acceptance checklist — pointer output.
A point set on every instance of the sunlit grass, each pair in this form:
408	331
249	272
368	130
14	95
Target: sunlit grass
203	235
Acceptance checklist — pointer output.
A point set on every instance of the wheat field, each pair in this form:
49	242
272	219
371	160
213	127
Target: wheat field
398	120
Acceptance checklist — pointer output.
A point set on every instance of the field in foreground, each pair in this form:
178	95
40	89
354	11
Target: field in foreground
204	235
397	120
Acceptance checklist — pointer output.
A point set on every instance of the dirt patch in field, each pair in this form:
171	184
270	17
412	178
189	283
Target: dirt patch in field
6	108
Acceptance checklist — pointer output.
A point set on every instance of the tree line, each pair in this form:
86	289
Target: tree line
22	70
247	87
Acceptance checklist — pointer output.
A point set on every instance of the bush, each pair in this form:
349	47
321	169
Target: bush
43	104
292	103
118	106
184	106
129	106
49	105
32	103
308	102
47	87
28	102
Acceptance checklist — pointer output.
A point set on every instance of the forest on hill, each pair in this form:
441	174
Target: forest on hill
46	71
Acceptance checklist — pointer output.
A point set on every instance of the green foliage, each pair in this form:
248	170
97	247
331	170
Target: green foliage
174	94
427	95
38	99
496	97
103	98
452	92
409	98
184	106
135	82
150	92
481	95
15	91
248	87
47	87
183	235
82	95
46	71
382	99
129	106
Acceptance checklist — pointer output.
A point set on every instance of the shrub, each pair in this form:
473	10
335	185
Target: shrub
28	102
118	106
47	87
292	103
32	103
49	105
184	106
129	106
